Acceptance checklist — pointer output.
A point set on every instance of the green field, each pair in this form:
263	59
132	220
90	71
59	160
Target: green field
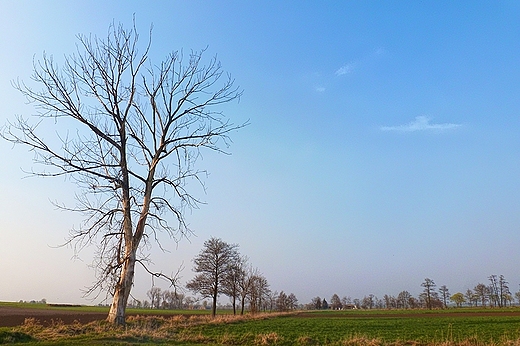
379	327
335	329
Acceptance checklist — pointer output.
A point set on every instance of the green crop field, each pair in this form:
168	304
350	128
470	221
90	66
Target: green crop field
380	327
334	329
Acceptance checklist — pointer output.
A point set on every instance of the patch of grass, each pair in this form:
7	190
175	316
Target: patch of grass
13	337
24	305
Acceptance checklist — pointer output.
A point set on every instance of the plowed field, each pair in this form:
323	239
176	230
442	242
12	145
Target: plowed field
13	316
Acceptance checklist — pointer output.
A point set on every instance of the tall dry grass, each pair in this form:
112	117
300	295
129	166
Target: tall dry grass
145	328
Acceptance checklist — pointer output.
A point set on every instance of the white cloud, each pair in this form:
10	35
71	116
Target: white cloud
380	51
421	123
348	68
320	89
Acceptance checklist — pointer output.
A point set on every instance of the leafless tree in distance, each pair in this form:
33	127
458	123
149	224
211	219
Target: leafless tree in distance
258	290
213	265
129	132
429	292
445	295
232	283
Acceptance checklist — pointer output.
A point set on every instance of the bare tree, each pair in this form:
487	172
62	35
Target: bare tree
292	301
368	302
129	132
316	303
499	288
155	294
168	299
517	296
286	302
281	302
429	292
403	299
172	300
244	288
258	290
482	293
335	302
232	283
272	300
213	264
390	302
471	297
445	295
503	288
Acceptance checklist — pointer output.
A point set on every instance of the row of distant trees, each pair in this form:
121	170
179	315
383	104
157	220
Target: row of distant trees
222	271
495	294
173	300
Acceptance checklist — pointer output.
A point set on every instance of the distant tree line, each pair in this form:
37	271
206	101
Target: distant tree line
495	294
222	271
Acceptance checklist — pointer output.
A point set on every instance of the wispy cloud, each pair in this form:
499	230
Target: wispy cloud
421	123
348	68
320	89
379	51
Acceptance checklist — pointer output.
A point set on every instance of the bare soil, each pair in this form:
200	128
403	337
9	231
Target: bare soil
13	316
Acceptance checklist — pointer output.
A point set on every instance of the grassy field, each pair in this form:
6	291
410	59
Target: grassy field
336	329
381	327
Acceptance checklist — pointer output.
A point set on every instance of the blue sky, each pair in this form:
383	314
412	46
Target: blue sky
383	146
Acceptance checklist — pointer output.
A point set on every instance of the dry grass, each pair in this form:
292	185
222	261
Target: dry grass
147	329
267	339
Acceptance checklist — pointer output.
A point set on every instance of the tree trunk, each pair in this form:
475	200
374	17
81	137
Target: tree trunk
117	313
214	305
243	303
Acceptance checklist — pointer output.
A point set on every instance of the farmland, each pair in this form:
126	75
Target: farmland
379	327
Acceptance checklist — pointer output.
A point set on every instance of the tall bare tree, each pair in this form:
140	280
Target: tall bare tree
503	288
212	265
233	280
128	133
445	295
499	288
429	292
